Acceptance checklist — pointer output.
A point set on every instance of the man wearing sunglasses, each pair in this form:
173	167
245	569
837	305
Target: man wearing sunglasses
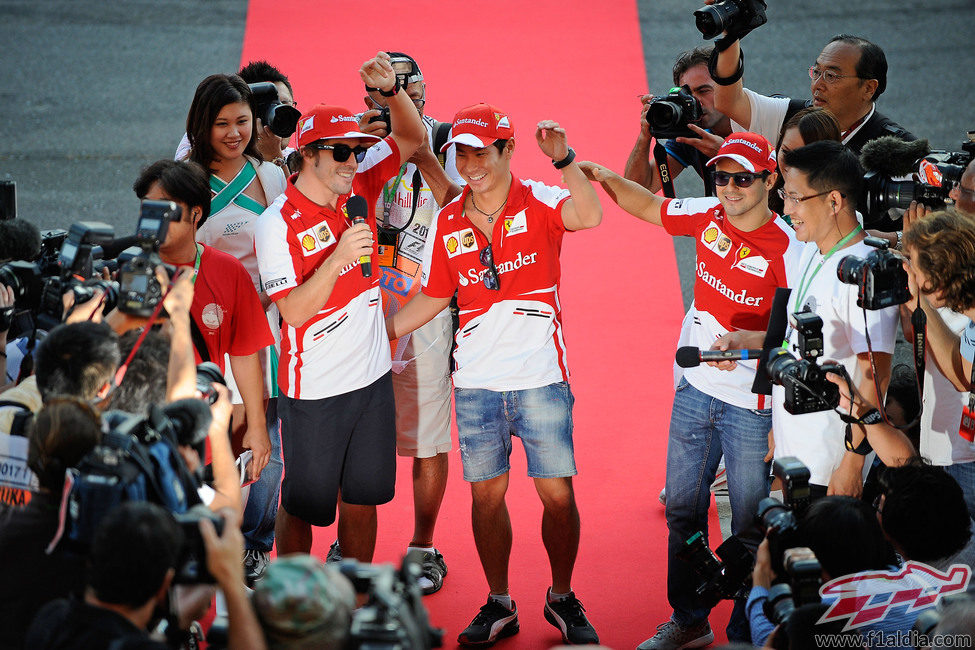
847	78
497	246
743	253
336	399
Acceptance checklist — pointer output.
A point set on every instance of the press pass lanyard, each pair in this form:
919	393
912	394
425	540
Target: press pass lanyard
389	194
196	266
803	284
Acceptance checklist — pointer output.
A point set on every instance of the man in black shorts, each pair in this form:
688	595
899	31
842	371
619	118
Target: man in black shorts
336	395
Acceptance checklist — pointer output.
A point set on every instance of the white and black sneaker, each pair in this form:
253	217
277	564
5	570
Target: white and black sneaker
255	562
493	622
334	553
569	616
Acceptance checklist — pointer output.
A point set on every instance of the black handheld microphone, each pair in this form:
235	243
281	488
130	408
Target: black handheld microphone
357	209
688	357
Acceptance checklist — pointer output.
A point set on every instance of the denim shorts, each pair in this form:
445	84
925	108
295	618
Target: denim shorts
541	417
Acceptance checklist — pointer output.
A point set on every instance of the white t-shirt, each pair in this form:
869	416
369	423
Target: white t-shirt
940	419
816	439
768	116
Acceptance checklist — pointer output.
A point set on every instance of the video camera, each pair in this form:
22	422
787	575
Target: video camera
669	116
880	277
736	17
139	289
394	616
933	173
807	390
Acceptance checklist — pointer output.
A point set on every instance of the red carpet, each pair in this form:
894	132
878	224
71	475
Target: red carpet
579	63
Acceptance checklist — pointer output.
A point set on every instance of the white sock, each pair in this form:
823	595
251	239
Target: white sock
504	599
428	549
552	596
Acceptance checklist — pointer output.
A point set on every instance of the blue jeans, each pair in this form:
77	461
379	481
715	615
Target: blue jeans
964	473
262	502
702	429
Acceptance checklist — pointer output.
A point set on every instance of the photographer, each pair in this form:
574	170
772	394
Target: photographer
61	434
227	321
821	185
847	78
940	247
690	69
844	535
336	403
133	561
732	291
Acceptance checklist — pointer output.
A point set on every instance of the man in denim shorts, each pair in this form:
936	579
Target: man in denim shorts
497	246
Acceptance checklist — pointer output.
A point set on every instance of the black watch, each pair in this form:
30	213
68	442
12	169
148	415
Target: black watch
391	93
565	162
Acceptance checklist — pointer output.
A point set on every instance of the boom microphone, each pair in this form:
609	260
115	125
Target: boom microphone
893	157
19	240
357	209
689	357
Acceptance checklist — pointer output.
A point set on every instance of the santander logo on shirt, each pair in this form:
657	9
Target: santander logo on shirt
741	297
511	265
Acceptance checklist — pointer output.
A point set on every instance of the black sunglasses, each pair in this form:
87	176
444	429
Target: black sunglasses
341	152
491	278
742	179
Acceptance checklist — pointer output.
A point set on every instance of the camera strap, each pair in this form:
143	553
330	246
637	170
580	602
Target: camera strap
803	284
660	160
919	323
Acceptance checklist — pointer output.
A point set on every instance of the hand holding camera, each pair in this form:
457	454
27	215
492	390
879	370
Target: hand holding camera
733	18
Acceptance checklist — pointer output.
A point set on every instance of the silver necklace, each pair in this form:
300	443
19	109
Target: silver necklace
489	215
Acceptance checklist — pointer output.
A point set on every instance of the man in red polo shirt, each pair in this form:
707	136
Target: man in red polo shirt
336	402
497	246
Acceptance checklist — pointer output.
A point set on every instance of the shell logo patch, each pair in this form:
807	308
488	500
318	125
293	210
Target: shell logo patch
710	235
308	243
451	243
715	240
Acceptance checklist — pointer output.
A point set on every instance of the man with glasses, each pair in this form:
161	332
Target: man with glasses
847	78
822	184
405	210
744	251
336	399
497	246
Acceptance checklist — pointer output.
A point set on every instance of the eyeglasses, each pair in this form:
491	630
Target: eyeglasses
490	276
962	190
742	179
787	198
341	152
829	76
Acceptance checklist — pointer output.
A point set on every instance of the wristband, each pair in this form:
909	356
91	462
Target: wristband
862	449
565	162
393	91
900	240
726	81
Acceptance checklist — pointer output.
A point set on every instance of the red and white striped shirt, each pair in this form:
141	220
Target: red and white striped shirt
510	339
344	346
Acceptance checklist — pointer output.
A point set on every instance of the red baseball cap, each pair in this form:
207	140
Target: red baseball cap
478	126
750	150
325	122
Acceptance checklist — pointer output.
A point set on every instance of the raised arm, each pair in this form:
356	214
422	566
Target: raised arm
407	127
732	100
583	210
630	196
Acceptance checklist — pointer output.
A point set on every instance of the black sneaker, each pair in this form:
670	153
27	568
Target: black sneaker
569	616
255	562
434	569
334	553
493	622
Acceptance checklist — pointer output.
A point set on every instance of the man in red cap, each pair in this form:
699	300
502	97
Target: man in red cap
744	251
497	246
336	397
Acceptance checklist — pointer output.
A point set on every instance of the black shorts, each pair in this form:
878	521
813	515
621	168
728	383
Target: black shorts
347	441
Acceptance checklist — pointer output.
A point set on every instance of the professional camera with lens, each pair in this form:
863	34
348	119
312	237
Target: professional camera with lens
139	289
807	390
778	520
794	476
394	616
798	586
880	277
669	116
736	17
280	118
207	375
936	174
383	117
724	573
191	566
